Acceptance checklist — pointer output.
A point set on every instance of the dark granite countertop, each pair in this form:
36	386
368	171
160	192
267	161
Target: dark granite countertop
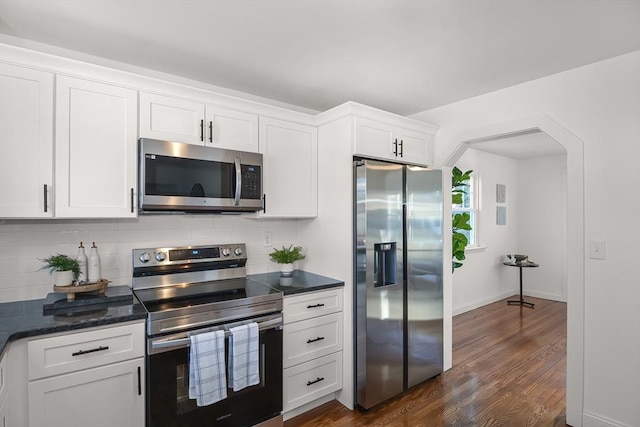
300	281
53	314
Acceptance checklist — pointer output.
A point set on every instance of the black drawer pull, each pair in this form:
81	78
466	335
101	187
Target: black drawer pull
314	381
314	340
93	350
315	305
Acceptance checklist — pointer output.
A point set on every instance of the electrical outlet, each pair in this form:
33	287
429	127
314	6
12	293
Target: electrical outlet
596	249
267	239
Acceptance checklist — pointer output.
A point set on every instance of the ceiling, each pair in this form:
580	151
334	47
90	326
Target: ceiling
403	56
522	146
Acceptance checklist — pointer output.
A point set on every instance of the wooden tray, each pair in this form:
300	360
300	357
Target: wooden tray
72	290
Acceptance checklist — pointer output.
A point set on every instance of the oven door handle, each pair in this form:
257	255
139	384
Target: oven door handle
182	342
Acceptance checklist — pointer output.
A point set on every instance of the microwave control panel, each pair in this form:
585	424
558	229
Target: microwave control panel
251	182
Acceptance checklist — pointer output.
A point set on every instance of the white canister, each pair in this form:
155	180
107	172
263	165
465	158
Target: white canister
94	264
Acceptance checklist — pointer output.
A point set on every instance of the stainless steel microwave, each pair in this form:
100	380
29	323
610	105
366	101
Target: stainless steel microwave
177	177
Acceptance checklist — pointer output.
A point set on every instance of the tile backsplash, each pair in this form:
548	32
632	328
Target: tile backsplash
24	242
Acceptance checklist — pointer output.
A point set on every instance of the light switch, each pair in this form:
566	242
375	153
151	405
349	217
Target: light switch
596	249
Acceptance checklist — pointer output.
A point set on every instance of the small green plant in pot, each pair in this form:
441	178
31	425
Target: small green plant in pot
66	269
286	257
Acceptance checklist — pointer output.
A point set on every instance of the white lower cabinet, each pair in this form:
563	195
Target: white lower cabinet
106	396
91	378
313	342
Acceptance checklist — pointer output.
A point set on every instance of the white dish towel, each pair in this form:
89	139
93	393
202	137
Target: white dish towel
207	376
244	356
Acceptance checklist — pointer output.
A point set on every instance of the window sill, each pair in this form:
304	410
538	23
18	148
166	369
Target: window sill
474	249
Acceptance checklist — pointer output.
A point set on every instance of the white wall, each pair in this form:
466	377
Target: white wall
600	104
541	222
536	218
24	242
483	279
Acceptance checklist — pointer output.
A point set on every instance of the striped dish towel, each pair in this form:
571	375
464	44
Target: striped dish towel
244	356
207	378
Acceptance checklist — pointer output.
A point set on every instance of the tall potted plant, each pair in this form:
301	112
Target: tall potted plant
459	221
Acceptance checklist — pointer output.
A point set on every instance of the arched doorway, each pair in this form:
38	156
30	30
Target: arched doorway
575	238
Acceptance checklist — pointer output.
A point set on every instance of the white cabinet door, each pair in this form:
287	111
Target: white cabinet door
413	146
231	129
108	396
95	153
387	142
171	119
290	169
26	142
374	139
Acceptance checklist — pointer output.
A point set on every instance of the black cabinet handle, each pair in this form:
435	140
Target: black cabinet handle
314	381
202	130
401	147
264	203
315	305
315	340
132	200
93	350
45	198
210	130
139	384
395	147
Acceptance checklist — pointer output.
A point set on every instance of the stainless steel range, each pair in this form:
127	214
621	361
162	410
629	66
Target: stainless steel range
196	289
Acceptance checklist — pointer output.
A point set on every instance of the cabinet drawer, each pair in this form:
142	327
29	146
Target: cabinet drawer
67	353
311	380
314	304
312	338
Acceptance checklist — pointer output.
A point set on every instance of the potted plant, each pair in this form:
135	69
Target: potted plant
286	257
459	221
66	269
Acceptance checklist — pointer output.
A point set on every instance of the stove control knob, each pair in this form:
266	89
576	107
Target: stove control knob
238	251
226	252
145	257
161	256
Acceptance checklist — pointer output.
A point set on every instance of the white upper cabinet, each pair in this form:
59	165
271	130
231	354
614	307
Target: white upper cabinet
231	129
172	119
95	153
26	142
290	169
389	142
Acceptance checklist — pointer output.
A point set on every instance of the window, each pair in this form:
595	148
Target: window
470	205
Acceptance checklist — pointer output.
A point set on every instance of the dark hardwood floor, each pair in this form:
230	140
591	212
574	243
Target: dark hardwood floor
509	369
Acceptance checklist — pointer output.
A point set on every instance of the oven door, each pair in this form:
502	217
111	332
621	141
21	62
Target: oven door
186	177
168	402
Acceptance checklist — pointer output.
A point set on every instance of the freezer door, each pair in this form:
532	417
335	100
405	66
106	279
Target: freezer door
379	281
424	274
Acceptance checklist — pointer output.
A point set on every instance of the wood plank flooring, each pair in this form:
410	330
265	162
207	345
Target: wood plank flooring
509	369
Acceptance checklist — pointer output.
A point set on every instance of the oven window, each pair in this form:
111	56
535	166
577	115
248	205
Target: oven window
169	405
174	176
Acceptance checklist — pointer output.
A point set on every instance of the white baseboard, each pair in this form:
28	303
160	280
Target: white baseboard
309	406
482	302
593	420
545	295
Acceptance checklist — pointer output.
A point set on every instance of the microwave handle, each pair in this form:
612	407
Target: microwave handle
236	201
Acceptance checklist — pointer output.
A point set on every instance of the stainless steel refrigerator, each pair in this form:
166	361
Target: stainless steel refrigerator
398	278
